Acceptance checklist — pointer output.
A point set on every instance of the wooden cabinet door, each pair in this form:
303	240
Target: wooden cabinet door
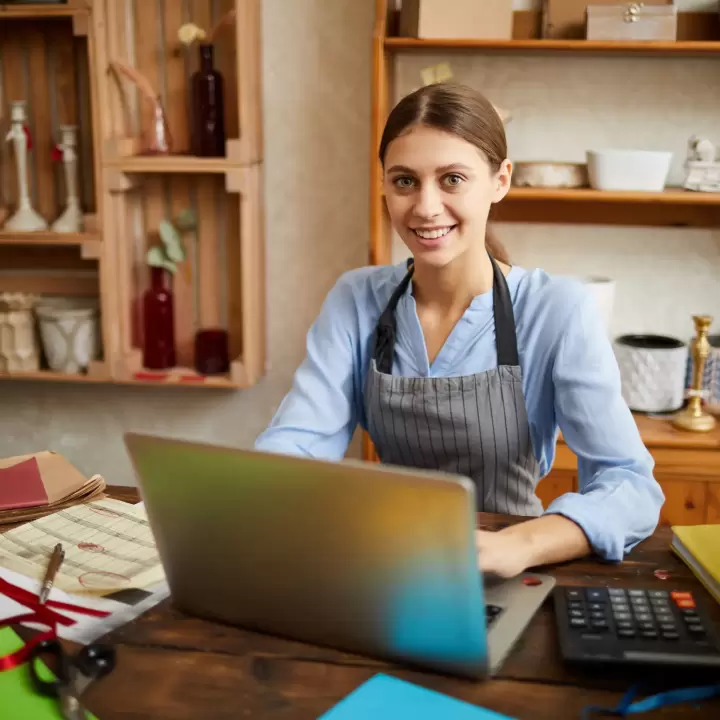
555	484
685	501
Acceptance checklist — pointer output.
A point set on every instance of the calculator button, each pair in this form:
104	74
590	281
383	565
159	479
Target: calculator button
668	627
624	607
670	635
575	605
574	595
597	615
646	626
599	624
626	632
643	617
640	602
696	629
596	606
577	622
622	616
576	613
658	594
664	617
616	592
596	596
690	616
624	625
650	634
636	593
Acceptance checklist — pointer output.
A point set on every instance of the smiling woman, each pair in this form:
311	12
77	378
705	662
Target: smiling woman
461	362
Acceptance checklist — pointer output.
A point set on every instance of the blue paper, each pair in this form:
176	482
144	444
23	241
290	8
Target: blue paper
387	698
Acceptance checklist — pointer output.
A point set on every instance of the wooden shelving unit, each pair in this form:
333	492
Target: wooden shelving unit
128	194
673	208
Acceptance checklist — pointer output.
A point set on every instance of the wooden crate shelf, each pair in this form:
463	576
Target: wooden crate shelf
126	193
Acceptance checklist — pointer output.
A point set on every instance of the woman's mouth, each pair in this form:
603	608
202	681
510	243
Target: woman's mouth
433	237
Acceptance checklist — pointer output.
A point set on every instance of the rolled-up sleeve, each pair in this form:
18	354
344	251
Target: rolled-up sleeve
318	416
618	500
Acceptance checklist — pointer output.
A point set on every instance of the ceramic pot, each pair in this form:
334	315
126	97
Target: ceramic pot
652	372
19	350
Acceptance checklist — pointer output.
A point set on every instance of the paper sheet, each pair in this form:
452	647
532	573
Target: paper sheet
109	548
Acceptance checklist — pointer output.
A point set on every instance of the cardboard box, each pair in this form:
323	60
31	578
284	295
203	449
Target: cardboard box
618	23
566	19
453	19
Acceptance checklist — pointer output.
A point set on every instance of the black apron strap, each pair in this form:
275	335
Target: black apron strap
385	334
505	338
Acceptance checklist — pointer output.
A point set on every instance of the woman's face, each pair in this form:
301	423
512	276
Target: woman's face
438	190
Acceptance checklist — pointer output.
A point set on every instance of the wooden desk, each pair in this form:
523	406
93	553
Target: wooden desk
687	466
178	667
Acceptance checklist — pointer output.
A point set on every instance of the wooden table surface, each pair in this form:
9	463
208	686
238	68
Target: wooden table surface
174	666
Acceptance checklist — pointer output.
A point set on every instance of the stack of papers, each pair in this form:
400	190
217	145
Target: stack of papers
32	486
698	546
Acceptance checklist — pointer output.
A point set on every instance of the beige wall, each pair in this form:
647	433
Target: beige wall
317	90
317	115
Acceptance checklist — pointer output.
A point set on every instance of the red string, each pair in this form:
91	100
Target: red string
42	614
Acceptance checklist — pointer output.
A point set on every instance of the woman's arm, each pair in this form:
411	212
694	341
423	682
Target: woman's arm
318	416
618	502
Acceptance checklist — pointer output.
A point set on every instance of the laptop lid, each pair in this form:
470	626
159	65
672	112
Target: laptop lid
363	557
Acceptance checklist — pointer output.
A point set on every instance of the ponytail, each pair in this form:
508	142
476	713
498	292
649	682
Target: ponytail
496	248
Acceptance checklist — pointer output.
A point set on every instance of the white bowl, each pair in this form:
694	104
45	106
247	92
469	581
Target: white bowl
639	170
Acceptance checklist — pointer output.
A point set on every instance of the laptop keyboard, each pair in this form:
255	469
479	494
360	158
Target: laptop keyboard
491	613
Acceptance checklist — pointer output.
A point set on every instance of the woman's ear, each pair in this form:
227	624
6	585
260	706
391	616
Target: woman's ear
502	180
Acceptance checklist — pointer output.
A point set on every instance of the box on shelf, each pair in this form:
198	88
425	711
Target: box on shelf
480	19
632	21
565	19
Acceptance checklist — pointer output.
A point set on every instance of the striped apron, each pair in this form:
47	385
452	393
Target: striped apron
472	425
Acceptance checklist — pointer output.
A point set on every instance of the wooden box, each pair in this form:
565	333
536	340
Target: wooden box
487	19
632	21
566	18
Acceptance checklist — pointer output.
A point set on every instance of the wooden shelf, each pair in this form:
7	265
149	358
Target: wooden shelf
673	208
48	238
678	48
185	164
40	11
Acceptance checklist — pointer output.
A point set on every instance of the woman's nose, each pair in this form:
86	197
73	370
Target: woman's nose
429	203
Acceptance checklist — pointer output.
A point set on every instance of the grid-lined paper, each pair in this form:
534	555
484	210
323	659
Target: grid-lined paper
108	547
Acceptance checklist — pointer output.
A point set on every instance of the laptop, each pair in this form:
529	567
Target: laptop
371	559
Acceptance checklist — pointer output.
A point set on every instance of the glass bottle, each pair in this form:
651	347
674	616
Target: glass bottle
158	322
208	137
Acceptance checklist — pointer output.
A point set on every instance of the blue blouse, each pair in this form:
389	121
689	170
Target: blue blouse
571	383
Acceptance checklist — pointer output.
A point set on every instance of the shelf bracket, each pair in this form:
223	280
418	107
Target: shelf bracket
236	181
117	181
80	24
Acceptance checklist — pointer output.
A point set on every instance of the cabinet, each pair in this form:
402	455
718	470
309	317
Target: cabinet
70	51
687	466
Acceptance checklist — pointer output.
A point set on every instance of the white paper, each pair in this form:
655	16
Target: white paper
86	629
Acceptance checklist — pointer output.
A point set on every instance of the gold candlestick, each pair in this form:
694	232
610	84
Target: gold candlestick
693	417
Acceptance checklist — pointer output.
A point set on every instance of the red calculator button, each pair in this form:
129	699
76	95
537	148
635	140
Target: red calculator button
676	595
688	604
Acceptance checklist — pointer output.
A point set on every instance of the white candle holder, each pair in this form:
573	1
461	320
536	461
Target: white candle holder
25	218
71	220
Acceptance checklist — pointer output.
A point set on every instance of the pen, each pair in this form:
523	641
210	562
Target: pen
53	566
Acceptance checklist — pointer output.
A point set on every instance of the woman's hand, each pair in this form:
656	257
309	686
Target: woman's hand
543	540
502	554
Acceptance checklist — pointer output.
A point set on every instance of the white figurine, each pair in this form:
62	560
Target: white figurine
71	220
702	166
25	218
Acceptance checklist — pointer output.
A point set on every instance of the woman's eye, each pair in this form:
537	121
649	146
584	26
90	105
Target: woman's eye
454	180
403	182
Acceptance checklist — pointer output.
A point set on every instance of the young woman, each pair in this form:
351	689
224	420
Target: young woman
458	361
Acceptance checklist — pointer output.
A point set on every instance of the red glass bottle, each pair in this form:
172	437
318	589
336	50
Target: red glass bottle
208	136
158	322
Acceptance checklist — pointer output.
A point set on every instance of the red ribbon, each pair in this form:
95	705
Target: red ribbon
41	614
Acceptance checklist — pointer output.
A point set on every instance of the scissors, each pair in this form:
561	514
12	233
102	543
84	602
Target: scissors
73	675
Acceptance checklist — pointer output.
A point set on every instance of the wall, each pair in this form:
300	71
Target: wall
317	132
317	91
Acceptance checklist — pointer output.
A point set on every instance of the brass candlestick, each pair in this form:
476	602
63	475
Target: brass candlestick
693	417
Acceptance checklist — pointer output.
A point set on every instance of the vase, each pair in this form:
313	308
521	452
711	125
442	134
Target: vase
19	351
208	107
71	220
158	322
211	351
25	219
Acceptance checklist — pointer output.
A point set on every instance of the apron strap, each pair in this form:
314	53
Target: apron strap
505	338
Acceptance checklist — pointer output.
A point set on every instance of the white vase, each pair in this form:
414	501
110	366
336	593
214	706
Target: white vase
602	290
19	351
25	218
71	220
69	333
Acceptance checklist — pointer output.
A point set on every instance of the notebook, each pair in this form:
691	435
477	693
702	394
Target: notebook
384	697
18	698
699	547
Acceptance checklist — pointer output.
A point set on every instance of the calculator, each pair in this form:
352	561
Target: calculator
638	626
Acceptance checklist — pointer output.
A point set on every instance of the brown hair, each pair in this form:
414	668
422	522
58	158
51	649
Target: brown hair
462	111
